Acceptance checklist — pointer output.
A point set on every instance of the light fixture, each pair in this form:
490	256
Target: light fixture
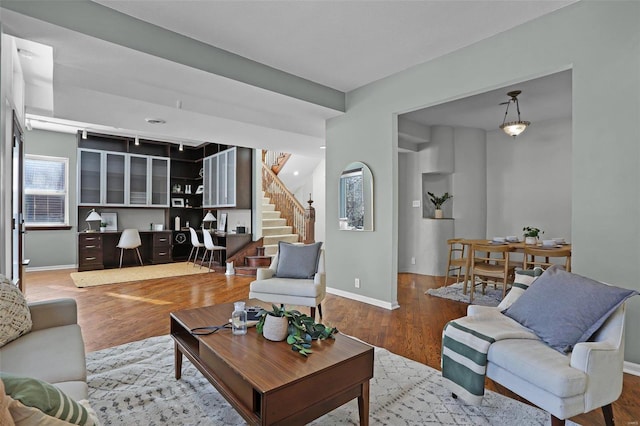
513	128
84	133
181	147
137	140
209	217
93	216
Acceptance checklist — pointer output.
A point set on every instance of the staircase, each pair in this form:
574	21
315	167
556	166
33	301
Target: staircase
274	228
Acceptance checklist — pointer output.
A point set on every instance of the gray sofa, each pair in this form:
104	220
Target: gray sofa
53	351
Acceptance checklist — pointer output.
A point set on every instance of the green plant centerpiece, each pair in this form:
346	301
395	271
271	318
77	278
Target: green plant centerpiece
530	231
301	329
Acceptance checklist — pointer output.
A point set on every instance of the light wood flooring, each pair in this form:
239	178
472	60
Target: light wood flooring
114	314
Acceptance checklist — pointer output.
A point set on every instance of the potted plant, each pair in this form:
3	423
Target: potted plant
299	329
531	234
103	226
438	201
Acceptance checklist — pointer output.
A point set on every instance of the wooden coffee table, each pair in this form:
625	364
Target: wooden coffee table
267	382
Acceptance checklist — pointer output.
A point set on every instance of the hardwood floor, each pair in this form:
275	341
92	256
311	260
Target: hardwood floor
114	314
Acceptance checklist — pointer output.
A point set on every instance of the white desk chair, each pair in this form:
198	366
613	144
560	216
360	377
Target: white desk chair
129	240
196	245
210	247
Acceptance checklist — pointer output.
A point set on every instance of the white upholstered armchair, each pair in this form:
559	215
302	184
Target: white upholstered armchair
587	378
291	291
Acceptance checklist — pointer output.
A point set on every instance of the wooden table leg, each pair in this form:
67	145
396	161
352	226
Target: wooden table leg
363	404
178	361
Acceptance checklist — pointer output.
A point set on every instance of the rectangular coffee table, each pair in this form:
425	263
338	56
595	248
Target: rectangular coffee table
267	382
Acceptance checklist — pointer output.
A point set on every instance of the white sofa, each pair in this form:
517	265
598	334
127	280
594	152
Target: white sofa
587	378
53	351
290	291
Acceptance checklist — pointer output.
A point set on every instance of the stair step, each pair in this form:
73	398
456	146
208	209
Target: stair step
268	207
258	261
276	230
273	239
266	200
266	223
271	249
245	270
273	214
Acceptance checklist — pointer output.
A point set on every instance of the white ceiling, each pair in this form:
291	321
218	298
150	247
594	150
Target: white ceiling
543	98
339	44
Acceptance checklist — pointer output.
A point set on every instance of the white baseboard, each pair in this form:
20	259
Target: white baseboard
364	299
50	268
631	368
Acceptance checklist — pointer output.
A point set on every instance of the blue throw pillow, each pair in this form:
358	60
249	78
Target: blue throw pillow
564	308
297	261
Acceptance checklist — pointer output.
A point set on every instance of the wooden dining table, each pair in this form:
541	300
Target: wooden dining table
514	246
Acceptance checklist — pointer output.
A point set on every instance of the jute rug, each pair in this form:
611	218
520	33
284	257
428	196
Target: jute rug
134	273
492	297
134	384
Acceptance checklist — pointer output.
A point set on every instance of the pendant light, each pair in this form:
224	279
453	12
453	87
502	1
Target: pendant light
513	128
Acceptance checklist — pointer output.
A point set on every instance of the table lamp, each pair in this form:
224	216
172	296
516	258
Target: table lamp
209	217
93	216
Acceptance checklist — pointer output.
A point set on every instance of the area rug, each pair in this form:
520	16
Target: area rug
492	297
135	273
134	384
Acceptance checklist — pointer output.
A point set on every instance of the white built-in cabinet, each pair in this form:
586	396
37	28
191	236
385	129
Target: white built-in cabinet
108	178
227	179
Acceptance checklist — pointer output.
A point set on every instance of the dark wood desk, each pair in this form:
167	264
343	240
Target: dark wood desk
267	382
97	250
182	243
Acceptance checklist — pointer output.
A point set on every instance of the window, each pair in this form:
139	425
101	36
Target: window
46	191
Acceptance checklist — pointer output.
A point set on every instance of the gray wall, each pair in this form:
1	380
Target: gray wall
605	157
54	248
529	180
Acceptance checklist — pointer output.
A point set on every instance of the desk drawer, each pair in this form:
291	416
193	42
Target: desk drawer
90	241
161	255
161	239
90	259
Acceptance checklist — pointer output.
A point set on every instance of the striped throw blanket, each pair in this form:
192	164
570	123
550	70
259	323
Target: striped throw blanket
465	345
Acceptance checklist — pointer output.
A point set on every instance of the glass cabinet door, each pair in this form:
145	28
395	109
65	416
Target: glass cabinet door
89	182
159	182
206	182
115	176
230	178
137	180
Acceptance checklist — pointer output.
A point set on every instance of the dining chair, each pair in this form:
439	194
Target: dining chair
130	240
195	245
211	248
490	263
539	256
458	259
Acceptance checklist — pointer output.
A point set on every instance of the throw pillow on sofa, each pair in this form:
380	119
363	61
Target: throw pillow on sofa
15	317
48	399
564	308
523	279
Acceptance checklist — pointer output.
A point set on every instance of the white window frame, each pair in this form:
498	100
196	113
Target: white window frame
64	161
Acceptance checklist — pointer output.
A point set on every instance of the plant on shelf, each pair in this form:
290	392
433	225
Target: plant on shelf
301	329
438	201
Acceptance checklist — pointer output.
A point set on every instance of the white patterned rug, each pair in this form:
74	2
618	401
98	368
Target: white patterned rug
492	297
133	384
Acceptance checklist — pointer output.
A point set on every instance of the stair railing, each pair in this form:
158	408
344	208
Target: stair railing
289	207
